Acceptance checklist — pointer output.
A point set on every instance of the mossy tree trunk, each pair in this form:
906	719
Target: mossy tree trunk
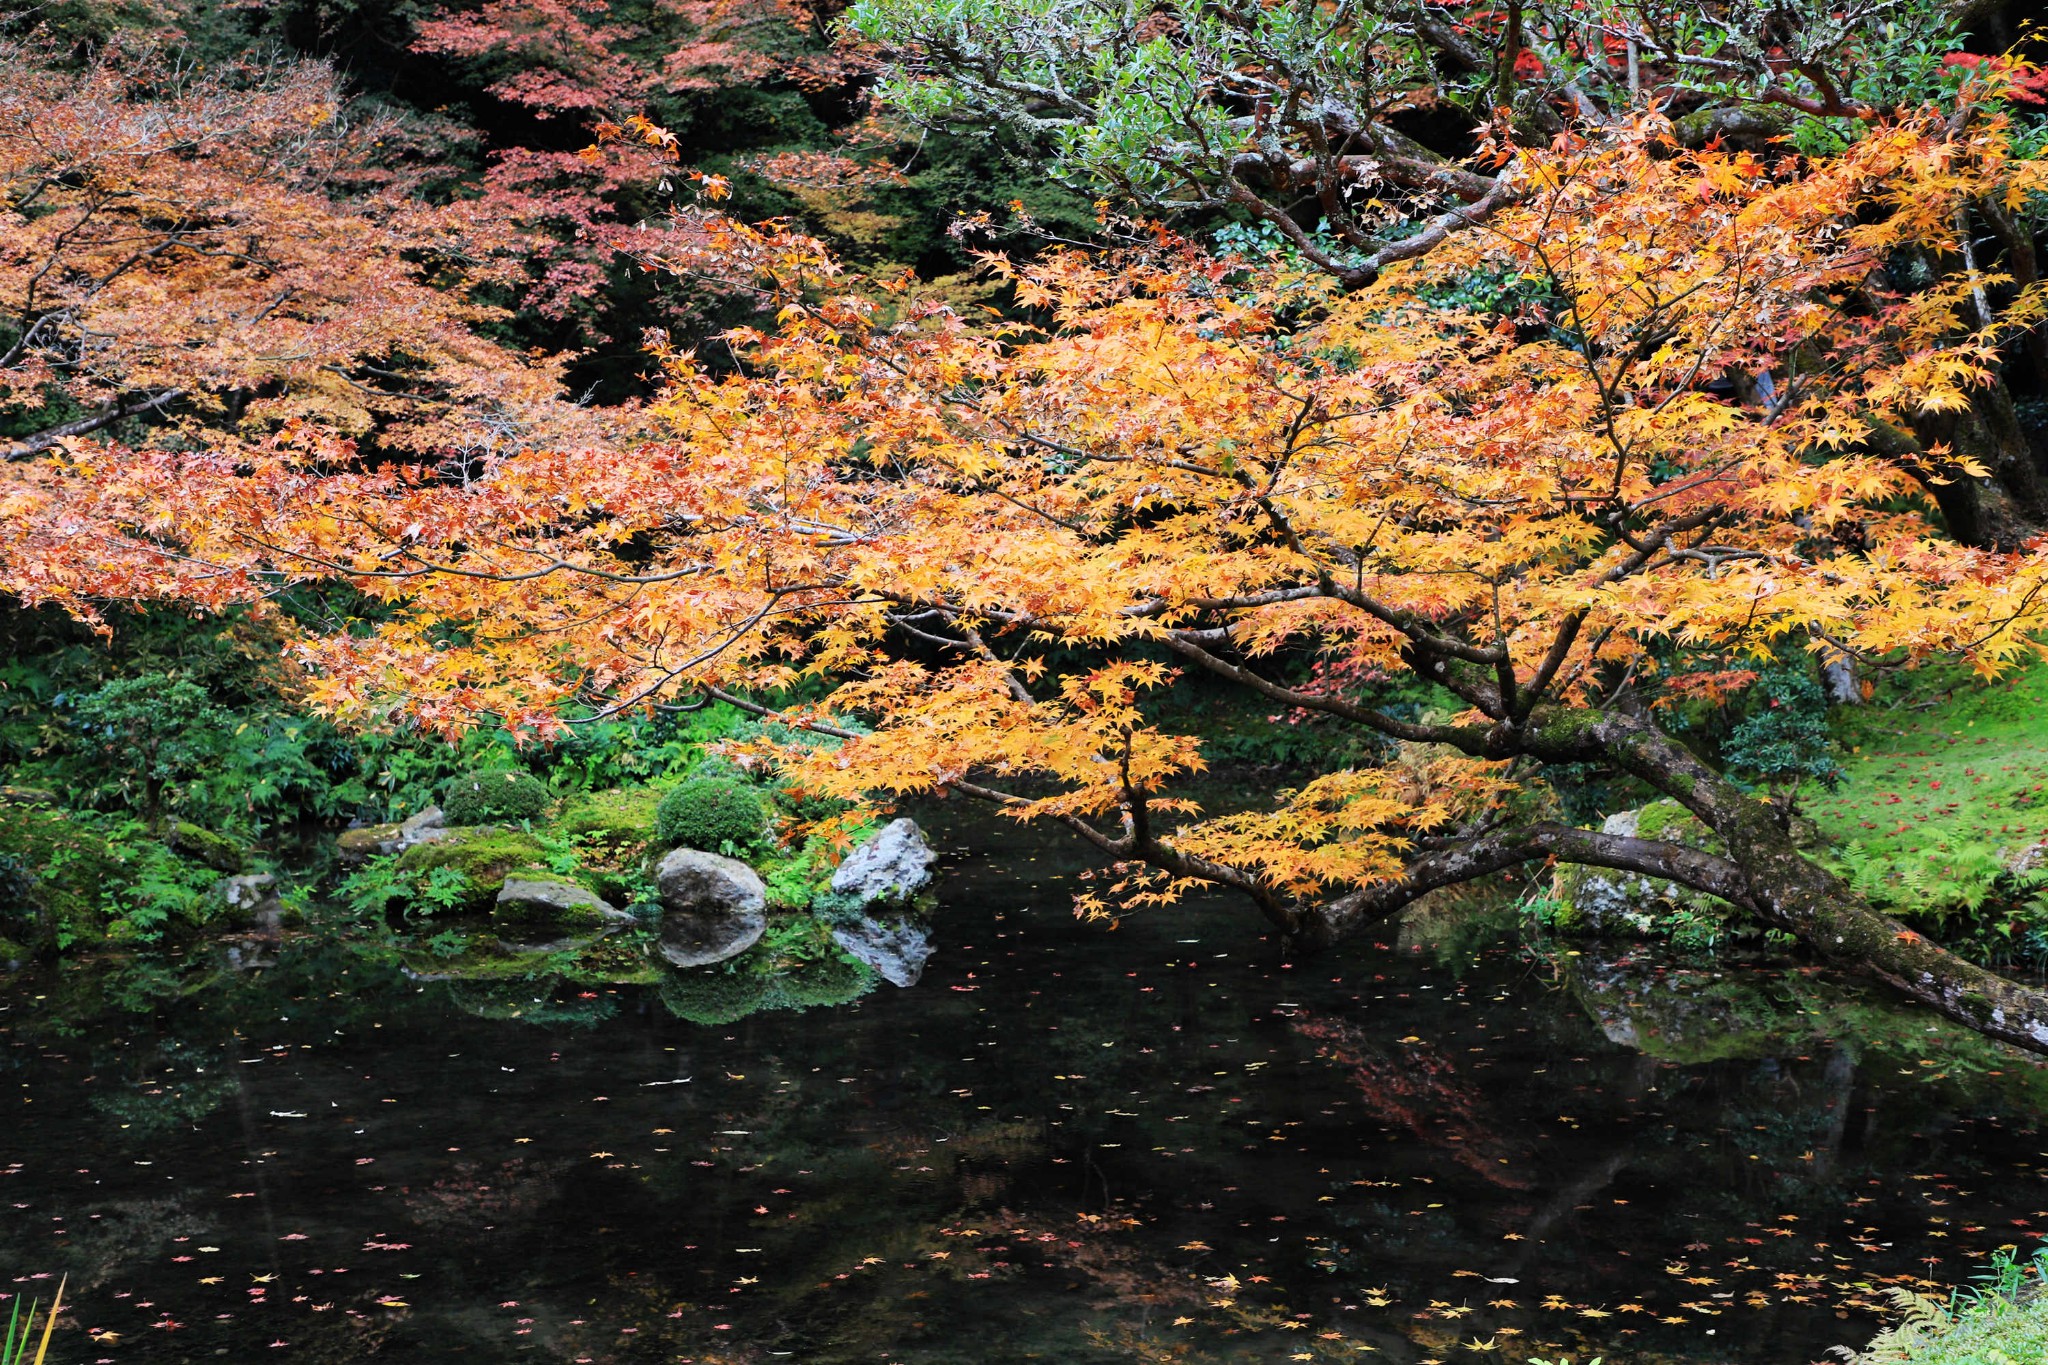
1762	872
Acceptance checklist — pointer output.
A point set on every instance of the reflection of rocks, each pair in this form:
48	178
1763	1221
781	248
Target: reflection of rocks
897	949
545	906
713	907
1683	1015
252	899
889	869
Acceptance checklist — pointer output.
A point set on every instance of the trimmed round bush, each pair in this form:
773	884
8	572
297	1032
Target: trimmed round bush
707	812
482	798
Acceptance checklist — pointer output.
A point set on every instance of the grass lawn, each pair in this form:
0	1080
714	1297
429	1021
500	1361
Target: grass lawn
1947	783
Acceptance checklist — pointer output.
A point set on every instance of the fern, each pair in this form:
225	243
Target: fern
1940	879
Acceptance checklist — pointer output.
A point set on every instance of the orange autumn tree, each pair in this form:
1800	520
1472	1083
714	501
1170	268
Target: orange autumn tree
994	547
215	254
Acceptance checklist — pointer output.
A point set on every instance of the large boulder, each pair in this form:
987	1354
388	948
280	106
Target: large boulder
365	842
896	948
530	906
889	869
713	907
485	854
1607	901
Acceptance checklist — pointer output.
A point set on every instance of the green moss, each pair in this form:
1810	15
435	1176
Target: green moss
623	815
480	798
1946	785
1673	823
484	856
709	813
217	851
10	951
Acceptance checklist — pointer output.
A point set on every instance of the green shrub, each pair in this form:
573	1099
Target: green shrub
709	813
484	798
58	868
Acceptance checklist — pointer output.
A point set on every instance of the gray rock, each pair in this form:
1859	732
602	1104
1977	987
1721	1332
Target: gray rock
888	869
713	907
417	824
526	904
365	842
896	948
1606	901
249	890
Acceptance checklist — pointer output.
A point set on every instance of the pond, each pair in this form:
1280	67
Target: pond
1065	1144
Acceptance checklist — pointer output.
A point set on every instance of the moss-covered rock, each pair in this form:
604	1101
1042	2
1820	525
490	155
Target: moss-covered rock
56	870
1604	901
368	841
202	845
484	855
12	953
482	798
623	815
620	960
548	907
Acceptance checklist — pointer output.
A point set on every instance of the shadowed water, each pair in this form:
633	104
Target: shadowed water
1065	1144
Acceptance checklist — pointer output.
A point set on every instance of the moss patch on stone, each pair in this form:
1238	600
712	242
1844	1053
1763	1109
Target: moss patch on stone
217	851
484	855
623	815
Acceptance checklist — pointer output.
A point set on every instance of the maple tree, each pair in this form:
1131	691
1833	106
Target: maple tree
221	254
1342	135
993	546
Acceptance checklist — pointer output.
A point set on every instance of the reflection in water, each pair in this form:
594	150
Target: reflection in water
1064	1145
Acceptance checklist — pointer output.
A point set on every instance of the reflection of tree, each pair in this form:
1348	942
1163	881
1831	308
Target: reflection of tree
172	1085
478	1195
1422	1090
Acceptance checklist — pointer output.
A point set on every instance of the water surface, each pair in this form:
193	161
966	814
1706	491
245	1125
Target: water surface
1065	1144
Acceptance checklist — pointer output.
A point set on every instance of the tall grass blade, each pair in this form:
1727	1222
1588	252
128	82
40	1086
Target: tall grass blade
10	1354
49	1323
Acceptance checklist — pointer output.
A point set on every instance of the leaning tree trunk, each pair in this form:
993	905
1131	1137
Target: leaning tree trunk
1791	891
1762	871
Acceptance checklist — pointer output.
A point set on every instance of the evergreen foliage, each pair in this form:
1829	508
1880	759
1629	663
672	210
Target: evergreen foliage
710	813
486	798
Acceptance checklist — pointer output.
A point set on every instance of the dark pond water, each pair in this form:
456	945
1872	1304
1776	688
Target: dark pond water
1066	1144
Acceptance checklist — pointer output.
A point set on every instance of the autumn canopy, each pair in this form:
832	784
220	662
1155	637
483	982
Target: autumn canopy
1692	419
